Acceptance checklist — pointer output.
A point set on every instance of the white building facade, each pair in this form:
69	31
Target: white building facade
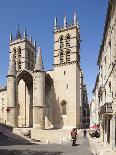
105	87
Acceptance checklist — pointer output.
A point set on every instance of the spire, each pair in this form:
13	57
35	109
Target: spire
25	34
39	62
75	19
10	37
31	39
65	22
18	35
12	68
34	43
55	23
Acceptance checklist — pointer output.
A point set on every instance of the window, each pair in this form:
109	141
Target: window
14	52
19	65
63	107
110	87
68	41
29	55
68	56
64	72
32	57
19	52
110	51
61	57
61	42
105	65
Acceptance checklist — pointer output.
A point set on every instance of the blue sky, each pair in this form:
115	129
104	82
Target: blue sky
37	16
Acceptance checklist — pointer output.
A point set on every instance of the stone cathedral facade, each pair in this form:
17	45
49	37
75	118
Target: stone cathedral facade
44	99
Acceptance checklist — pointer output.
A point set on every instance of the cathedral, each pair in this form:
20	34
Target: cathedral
36	98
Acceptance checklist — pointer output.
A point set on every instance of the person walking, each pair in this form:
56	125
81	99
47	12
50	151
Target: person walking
74	136
84	132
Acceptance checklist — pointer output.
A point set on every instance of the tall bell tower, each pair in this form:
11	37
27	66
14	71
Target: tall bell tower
20	80
24	51
67	72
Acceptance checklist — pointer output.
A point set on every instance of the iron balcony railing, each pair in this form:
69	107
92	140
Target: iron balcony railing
106	108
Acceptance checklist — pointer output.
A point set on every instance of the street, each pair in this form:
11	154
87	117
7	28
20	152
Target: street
9	147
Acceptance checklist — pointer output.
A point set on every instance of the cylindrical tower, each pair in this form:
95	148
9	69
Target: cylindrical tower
39	94
11	93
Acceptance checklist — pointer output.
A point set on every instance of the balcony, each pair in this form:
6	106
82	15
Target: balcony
101	90
106	109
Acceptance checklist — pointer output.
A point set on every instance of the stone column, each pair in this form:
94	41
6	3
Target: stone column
39	100
11	100
11	93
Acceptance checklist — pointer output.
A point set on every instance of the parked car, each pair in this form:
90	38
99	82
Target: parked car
94	131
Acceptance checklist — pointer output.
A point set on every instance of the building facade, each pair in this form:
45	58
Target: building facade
84	107
38	98
94	105
105	87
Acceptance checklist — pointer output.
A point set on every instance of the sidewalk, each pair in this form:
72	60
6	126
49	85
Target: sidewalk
99	148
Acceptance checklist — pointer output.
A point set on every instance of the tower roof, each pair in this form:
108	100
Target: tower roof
18	34
39	63
12	68
66	25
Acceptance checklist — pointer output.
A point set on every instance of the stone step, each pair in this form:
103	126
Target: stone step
7	132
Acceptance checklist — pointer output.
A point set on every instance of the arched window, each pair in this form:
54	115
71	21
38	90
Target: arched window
68	56
68	41
19	65
28	55
19	52
61	57
14	51
61	42
32	56
63	107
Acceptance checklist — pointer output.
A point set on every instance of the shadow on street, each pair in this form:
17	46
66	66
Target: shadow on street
28	152
5	141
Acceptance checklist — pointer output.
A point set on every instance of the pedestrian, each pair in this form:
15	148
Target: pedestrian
74	136
84	132
74	132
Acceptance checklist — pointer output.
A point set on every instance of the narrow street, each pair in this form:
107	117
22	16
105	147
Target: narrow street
9	147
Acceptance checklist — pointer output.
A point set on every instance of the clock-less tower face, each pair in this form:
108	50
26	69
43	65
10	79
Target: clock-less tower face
66	46
24	53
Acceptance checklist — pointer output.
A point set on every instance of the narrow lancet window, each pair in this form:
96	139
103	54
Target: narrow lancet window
68	41
68	56
61	57
61	42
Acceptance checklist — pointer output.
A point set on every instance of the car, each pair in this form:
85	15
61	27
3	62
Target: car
94	133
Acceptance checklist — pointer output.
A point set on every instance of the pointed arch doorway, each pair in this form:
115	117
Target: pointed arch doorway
25	99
